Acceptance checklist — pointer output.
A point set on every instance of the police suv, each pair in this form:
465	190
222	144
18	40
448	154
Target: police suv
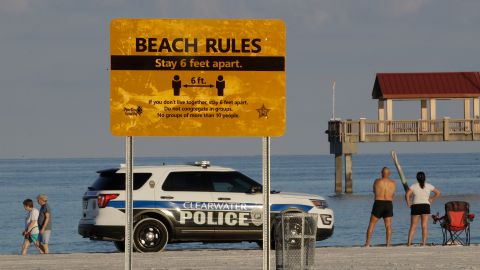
187	203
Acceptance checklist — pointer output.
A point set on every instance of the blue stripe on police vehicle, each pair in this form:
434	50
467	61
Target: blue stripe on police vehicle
223	206
213	213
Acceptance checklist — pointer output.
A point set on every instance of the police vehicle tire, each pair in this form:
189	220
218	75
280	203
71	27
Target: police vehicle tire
120	245
150	235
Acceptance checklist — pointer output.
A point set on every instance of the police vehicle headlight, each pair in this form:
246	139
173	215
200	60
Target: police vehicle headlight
322	204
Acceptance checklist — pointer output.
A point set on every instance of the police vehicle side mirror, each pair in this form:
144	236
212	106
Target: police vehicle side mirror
255	189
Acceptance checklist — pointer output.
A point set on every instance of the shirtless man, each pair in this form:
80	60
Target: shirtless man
384	190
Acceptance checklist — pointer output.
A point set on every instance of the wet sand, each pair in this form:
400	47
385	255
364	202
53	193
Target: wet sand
436	257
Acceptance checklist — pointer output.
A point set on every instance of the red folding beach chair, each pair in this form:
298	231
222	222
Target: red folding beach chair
456	223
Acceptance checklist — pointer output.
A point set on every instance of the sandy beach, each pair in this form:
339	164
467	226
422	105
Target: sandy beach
436	257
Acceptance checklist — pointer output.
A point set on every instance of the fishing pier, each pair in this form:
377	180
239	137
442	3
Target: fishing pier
427	88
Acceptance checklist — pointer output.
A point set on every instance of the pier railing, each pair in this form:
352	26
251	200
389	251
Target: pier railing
364	130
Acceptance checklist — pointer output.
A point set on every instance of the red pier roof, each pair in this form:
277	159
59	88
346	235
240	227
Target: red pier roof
426	85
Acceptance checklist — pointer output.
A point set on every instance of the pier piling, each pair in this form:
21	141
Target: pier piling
348	174
338	173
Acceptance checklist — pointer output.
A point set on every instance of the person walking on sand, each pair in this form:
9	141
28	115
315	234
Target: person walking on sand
384	190
44	222
31	227
420	206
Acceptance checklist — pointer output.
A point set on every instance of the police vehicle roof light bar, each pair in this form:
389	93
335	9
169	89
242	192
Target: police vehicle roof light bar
204	164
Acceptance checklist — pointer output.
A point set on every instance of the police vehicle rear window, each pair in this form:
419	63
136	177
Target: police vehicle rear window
116	181
231	182
208	181
186	181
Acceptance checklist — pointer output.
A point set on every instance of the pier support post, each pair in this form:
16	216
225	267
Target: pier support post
348	174
423	115
433	114
476	114
381	115
338	173
476	108
467	114
362	130
446	128
390	118
433	109
389	109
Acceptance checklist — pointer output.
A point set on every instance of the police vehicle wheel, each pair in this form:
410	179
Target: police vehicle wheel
120	245
150	235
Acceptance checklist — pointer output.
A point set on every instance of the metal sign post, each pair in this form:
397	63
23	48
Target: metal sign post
128	202
266	202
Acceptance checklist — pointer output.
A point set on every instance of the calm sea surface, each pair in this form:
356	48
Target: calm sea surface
65	181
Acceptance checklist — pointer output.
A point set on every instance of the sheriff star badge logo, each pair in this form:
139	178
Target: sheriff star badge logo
263	112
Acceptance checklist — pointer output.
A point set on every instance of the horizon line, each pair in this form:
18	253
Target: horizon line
220	155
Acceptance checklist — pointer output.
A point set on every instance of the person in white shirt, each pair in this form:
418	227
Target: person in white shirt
420	206
31	227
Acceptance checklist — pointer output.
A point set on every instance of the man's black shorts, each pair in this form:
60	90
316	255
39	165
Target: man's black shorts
382	209
420	209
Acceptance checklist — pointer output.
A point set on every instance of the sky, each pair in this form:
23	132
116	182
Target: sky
54	78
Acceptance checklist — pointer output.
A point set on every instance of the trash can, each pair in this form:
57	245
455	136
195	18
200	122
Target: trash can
295	239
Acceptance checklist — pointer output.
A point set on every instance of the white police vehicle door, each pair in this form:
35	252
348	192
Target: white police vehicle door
187	196
237	206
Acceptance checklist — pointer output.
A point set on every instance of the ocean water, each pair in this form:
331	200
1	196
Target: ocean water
65	181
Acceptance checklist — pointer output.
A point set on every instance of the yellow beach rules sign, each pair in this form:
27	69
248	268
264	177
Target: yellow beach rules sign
197	77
